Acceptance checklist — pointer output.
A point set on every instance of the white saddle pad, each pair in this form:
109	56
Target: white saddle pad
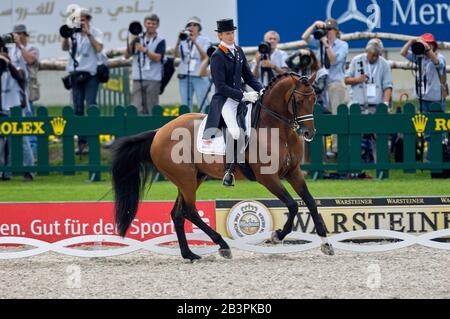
216	146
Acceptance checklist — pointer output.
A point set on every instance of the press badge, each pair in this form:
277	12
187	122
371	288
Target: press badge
371	90
192	65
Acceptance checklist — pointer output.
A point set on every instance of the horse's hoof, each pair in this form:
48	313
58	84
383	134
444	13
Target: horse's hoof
327	249
225	253
274	238
192	257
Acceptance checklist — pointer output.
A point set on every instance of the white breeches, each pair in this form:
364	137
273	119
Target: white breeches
229	111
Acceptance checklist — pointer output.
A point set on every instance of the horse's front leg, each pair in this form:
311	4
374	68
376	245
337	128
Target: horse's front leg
297	181
274	185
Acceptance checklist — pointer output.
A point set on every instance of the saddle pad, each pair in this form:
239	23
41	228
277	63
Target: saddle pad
216	146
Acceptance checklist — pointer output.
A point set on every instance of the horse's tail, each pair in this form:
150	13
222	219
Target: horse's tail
131	167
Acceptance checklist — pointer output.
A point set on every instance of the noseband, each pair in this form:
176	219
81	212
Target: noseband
296	121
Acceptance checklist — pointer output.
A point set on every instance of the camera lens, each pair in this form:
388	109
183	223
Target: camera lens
418	48
135	28
305	60
319	34
264	47
65	31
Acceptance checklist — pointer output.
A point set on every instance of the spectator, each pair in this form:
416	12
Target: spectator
30	54
275	62
371	79
192	50
13	93
84	82
148	53
335	54
433	67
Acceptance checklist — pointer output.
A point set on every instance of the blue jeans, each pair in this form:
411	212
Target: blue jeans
198	84
81	92
32	138
5	153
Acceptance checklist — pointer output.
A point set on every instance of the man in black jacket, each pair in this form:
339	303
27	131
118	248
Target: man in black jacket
228	66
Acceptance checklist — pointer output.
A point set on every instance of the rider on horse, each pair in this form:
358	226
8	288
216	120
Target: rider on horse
228	66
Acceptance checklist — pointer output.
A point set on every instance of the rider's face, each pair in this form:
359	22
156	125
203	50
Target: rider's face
227	37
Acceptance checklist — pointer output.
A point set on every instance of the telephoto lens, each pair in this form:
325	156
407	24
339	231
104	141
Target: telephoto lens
418	48
184	35
319	34
135	28
264	47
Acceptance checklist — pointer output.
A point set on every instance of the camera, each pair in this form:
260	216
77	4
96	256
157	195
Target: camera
184	35
67	32
299	61
264	48
6	38
135	28
212	48
320	33
418	48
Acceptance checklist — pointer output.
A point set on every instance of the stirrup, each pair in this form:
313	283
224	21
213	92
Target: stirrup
228	178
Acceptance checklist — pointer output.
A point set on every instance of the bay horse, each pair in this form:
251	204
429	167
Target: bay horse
287	104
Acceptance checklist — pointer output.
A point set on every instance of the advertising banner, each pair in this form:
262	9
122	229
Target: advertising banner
52	222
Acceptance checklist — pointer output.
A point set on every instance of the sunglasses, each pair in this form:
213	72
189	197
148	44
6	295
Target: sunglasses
193	25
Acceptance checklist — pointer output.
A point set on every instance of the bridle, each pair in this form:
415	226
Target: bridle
296	121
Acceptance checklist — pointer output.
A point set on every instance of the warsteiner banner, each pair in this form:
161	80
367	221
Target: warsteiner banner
412	215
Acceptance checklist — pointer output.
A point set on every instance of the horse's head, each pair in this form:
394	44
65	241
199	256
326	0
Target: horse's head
300	100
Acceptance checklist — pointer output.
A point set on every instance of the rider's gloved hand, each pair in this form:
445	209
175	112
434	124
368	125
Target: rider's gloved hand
251	97
262	91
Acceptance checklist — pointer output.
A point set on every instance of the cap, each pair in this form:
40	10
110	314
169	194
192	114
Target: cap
332	24
20	28
429	38
194	20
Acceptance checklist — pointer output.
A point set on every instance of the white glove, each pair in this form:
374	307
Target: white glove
251	97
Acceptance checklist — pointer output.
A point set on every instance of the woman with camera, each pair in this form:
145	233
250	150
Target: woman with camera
191	47
433	69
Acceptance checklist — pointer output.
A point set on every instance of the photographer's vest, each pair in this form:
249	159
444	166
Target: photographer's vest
85	53
151	70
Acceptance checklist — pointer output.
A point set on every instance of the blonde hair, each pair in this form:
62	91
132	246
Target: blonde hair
375	46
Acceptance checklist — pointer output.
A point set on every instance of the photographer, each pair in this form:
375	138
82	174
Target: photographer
30	56
82	76
148	53
305	62
433	68
13	93
370	78
335	53
269	58
191	46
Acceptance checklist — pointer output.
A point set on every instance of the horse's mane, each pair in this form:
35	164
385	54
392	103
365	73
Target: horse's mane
278	78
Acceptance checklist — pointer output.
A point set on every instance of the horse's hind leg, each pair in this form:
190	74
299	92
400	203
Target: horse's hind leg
178	220
191	214
297	181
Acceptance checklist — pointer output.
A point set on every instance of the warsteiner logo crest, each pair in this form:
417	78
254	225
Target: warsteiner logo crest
58	125
420	123
248	218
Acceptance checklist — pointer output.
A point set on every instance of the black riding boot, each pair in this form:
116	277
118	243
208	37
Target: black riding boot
228	178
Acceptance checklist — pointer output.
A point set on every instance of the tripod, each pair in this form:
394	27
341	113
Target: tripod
421	86
206	96
188	76
266	73
141	81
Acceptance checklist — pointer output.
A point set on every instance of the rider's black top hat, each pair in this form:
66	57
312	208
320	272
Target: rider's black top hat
225	25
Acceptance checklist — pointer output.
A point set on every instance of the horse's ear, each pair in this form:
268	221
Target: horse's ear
312	78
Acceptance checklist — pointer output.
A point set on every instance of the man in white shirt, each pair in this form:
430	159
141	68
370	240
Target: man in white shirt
84	80
274	63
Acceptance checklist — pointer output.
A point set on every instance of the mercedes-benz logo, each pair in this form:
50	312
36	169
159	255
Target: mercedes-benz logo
353	13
